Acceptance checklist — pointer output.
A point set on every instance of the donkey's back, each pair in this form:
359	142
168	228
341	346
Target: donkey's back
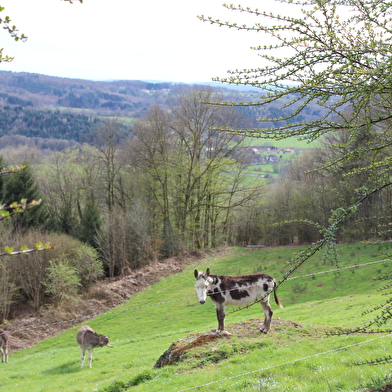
4	345
80	336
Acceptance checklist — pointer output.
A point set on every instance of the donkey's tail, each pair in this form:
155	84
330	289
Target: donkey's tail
276	297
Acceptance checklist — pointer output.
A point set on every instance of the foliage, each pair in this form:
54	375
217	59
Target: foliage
6	212
45	123
87	264
13	31
8	277
192	175
22	186
8	287
30	271
62	281
90	222
338	67
56	108
336	53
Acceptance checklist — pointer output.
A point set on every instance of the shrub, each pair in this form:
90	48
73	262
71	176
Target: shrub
88	265
62	281
31	270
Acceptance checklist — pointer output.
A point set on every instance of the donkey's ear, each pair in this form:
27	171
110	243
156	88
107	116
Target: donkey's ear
196	274
207	272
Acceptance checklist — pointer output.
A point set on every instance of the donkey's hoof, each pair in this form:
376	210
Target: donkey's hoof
264	330
220	332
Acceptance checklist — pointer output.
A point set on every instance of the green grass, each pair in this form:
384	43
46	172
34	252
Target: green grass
289	358
287	142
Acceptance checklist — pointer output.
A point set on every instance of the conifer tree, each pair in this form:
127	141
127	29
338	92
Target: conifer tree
90	222
22	185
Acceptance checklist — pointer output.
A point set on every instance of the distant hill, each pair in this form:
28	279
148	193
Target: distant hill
41	106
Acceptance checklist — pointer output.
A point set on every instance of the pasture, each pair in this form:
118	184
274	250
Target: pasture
287	142
296	355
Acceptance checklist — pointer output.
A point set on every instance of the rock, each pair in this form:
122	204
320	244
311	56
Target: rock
179	348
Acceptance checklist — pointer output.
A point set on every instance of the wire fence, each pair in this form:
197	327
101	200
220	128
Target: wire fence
88	317
334	350
221	380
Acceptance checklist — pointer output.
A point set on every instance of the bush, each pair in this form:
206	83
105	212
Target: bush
31	270
62	281
86	261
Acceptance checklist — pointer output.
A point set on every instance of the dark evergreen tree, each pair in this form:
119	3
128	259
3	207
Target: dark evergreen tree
2	180
22	185
90	222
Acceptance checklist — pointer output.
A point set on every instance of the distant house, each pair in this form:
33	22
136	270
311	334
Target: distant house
258	158
272	159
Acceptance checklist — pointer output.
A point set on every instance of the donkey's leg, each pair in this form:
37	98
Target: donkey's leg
2	354
220	314
6	353
90	357
83	350
267	315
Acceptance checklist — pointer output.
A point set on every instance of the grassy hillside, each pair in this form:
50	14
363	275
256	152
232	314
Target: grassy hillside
297	354
288	142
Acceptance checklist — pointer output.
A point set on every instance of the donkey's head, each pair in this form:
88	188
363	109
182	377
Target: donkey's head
103	340
203	280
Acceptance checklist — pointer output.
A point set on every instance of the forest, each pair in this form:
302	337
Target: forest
122	199
34	105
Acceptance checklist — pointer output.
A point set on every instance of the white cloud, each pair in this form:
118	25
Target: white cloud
127	39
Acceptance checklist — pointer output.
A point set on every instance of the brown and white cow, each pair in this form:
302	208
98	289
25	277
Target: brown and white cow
236	291
88	339
4	345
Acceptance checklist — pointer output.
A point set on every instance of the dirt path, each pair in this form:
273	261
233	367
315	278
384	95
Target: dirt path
28	328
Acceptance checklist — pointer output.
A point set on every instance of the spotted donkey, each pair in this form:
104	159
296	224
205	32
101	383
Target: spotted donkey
236	291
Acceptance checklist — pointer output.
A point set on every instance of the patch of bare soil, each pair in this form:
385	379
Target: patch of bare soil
181	347
385	388
252	326
28	328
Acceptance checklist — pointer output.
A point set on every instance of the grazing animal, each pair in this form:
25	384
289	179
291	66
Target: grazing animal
4	345
88	339
237	291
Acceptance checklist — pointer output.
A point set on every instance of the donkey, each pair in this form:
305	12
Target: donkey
88	339
238	291
4	345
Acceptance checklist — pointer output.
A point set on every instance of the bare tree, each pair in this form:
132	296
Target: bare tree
106	139
123	241
192	174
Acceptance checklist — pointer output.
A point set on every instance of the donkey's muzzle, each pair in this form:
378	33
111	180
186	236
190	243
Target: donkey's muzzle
202	301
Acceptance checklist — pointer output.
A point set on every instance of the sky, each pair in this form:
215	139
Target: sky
128	39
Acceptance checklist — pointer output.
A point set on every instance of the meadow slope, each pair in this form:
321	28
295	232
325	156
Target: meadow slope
297	354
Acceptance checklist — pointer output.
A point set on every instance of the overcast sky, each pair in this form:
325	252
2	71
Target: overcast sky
128	39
